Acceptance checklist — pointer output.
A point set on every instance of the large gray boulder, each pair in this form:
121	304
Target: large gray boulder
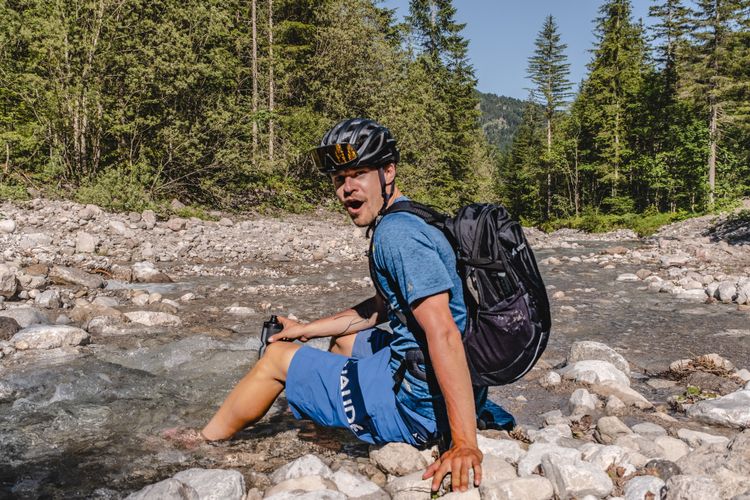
214	484
587	349
49	337
726	291
732	410
73	276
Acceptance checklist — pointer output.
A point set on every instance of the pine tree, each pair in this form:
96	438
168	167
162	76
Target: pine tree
709	79
548	70
611	91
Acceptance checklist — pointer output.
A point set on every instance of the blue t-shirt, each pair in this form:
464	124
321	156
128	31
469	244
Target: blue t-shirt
414	260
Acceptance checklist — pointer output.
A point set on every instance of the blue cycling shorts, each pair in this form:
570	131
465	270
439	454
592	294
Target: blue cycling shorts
354	392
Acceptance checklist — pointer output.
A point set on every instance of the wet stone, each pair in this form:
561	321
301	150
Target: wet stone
50	337
169	489
214	483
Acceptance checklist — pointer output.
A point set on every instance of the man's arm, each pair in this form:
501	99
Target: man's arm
448	359
366	314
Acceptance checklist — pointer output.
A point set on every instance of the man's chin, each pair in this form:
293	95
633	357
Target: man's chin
361	220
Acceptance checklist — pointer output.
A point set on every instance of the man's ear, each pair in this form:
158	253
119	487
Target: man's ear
390	172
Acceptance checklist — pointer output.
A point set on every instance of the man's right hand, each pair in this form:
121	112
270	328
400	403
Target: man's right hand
293	330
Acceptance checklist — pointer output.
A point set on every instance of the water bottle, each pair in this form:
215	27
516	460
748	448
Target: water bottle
270	327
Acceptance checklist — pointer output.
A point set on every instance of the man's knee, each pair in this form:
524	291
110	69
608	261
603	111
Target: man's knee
277	358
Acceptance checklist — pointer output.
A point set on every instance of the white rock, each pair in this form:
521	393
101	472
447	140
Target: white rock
169	489
743	374
409	486
726	291
144	271
288	488
86	242
628	277
239	310
76	277
685	487
743	294
575	478
8	281
497	469
149	218
533	458
550	379
649	430
50	336
523	488
354	485
49	299
26	316
696	439
214	484
614	406
89	212
608	429
154	318
398	459
119	227
582	400
588	350
640	487
732	410
470	494
696	295
594	372
502	448
550	434
307	465
7	226
674	449
35	241
605	456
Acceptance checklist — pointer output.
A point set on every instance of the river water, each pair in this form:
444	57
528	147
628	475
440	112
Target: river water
88	423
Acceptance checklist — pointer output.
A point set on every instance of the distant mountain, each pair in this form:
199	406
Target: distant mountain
500	118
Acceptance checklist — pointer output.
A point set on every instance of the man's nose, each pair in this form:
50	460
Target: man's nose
348	185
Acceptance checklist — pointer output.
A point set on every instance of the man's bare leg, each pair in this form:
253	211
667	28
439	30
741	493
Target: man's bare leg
254	394
343	344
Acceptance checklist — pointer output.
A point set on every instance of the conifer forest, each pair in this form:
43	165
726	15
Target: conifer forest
130	103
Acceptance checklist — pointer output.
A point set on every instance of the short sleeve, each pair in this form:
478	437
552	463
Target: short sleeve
407	256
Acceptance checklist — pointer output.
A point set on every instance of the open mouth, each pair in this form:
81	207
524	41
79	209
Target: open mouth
354	205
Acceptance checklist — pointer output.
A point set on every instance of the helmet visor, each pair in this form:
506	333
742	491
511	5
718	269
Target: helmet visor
328	158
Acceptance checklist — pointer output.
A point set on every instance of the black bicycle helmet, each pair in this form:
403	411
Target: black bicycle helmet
356	142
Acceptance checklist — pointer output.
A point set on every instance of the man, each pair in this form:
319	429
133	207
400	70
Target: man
368	381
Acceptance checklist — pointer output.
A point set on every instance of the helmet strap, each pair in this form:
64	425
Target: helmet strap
386	198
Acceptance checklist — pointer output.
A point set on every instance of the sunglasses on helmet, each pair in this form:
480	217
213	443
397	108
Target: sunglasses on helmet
335	155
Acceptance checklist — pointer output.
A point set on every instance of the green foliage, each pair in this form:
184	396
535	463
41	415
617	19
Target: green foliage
643	224
15	192
117	189
190	211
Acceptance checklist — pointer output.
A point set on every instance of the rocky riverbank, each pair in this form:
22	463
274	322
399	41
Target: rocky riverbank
114	326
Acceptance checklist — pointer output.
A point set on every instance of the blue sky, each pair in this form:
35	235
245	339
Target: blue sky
501	36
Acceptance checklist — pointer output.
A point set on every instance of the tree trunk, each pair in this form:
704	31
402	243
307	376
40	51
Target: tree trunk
713	139
549	167
270	81
253	17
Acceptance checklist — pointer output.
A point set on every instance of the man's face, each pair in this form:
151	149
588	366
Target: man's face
359	191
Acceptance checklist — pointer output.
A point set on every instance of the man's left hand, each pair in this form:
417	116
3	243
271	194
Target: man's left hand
458	461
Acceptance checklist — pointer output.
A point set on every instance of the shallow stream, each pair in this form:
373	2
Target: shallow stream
89	423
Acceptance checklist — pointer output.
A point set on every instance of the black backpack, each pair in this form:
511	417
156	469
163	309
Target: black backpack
508	313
